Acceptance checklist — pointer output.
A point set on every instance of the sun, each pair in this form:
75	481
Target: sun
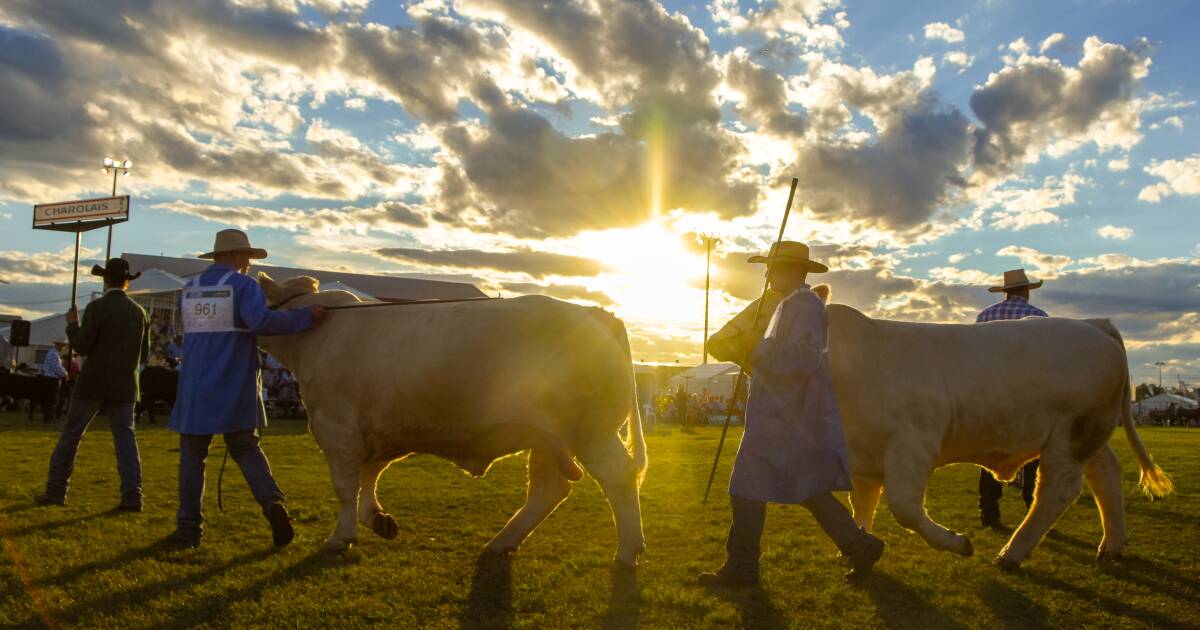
651	276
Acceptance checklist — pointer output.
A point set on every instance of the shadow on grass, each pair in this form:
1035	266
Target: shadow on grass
216	607
137	597
902	607
1010	608
130	555
1110	605
755	606
489	604
625	601
52	525
1153	576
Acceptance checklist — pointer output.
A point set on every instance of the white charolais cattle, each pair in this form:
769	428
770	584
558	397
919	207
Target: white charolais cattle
915	397
470	382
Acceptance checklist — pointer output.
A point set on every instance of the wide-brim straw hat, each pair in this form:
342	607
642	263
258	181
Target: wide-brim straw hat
1015	279
234	241
792	252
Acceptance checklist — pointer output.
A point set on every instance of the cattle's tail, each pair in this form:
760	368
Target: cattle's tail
1154	482
635	442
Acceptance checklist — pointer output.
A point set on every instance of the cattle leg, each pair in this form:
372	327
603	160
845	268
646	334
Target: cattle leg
345	474
1058	484
614	470
1103	474
864	499
370	513
547	489
906	473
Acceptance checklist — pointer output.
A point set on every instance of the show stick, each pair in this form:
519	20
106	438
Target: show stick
741	377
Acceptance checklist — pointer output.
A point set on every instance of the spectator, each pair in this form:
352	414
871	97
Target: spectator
681	407
174	351
52	367
115	335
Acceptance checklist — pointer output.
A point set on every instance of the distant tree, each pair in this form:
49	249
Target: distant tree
1146	390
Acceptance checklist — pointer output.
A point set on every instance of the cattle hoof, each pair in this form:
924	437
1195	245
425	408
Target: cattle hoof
966	549
1007	565
337	547
1108	556
384	525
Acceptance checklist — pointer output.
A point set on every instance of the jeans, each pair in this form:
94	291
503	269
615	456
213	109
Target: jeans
749	518
120	420
991	490
243	447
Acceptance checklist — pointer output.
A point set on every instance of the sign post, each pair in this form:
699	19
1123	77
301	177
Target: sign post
80	216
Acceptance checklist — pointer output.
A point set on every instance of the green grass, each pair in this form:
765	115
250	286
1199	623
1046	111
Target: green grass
95	568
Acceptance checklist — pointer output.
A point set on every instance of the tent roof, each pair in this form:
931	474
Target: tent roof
43	331
1168	397
156	281
383	287
707	371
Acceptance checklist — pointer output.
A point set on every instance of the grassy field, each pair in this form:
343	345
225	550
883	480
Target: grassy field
87	566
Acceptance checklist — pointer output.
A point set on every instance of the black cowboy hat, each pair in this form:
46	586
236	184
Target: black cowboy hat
117	269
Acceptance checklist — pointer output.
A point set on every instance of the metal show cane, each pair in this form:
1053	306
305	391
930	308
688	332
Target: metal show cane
741	377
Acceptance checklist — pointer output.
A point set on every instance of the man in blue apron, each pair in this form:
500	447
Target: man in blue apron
793	449
219	392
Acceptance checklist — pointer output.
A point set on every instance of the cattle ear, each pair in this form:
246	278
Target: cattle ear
269	286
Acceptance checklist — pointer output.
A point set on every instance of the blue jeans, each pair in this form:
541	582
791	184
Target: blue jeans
120	420
244	449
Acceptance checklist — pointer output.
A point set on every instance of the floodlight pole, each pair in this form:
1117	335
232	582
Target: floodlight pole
74	284
108	246
117	167
1160	365
709	241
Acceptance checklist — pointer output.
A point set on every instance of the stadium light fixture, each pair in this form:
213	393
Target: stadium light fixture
116	167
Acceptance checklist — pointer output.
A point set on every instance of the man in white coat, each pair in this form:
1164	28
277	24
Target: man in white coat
793	450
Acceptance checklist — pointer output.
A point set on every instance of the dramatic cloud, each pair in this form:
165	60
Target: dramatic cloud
797	22
1037	103
1180	177
1037	261
1020	208
386	216
1144	301
44	267
535	264
765	96
897	181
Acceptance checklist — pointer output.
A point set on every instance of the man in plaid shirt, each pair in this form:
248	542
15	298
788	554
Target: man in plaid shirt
1016	305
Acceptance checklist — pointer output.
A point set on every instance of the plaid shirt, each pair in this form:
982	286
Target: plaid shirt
1011	308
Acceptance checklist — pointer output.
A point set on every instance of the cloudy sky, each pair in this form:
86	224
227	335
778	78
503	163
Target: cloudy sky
575	148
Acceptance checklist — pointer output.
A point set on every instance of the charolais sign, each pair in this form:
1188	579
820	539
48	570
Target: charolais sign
105	209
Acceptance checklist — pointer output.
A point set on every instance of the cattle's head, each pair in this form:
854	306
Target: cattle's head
736	339
286	292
